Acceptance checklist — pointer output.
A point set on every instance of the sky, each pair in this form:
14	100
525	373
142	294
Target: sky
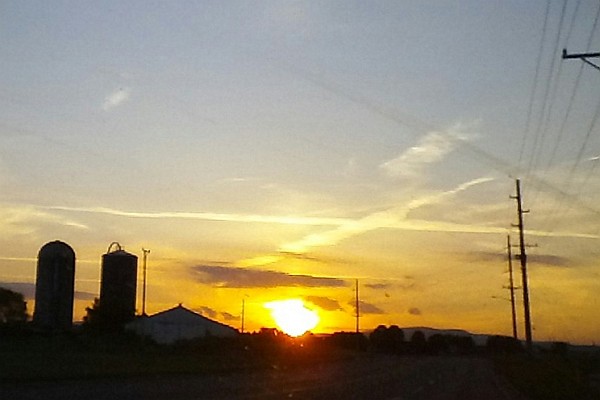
277	150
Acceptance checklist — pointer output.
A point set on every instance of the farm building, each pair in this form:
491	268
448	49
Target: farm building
178	323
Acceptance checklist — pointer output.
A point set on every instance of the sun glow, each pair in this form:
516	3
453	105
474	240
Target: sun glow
292	316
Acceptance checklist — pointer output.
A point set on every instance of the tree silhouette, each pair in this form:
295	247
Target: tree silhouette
438	344
97	320
387	340
418	342
13	307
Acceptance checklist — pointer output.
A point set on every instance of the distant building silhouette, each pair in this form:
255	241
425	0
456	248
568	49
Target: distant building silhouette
54	286
118	285
179	323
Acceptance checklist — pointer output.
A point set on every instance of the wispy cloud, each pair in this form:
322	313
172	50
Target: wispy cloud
28	290
549	260
414	311
367	308
116	98
432	148
325	303
232	277
393	217
25	220
207	216
214	314
378	286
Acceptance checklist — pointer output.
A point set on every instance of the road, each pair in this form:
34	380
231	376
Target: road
367	377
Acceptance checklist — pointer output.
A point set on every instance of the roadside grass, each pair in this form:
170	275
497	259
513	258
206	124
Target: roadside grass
49	360
550	376
65	358
49	365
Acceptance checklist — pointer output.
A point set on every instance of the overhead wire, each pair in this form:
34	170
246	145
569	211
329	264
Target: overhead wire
588	134
559	210
534	87
548	98
561	130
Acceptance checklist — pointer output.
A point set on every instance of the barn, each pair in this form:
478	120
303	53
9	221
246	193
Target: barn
178	323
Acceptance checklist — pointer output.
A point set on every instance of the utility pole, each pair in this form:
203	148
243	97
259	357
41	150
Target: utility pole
523	259
357	309
583	57
146	251
512	289
243	313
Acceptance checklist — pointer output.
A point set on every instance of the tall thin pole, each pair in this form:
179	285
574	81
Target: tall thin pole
523	259
512	289
146	251
243	313
357	308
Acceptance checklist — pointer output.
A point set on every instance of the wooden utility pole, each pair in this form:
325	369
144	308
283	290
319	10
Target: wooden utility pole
146	251
243	313
512	290
357	308
523	259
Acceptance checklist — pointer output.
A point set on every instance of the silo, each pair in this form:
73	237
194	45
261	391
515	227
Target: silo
54	286
118	285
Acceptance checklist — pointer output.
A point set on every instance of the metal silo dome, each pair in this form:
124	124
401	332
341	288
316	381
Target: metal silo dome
54	287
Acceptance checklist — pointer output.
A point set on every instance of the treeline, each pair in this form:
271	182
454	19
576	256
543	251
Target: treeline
393	340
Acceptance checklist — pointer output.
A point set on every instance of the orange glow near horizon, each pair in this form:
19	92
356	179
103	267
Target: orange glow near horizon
292	316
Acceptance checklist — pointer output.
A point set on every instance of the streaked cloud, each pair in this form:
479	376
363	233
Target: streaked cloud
116	98
325	303
207	216
432	148
394	217
539	259
367	308
25	220
549	260
207	311
405	284
414	311
232	277
28	291
229	317
378	286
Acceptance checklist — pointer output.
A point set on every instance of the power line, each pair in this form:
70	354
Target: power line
540	134
534	87
567	182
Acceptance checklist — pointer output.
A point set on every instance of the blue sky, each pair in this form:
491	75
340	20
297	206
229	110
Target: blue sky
339	140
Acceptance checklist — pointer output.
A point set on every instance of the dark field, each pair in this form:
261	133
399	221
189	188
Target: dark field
59	368
363	377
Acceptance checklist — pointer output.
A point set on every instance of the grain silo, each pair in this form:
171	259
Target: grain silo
54	286
118	285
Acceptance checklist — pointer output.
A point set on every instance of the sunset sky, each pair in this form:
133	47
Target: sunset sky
273	150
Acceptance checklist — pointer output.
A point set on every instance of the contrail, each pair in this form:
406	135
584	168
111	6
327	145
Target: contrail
405	119
286	220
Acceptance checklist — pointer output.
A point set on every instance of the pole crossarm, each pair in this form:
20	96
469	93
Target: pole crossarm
583	57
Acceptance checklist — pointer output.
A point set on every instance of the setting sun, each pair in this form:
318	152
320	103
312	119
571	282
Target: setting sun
292	316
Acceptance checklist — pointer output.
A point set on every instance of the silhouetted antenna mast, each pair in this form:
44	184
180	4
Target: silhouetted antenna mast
512	289
357	308
243	313
583	57
146	252
523	259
